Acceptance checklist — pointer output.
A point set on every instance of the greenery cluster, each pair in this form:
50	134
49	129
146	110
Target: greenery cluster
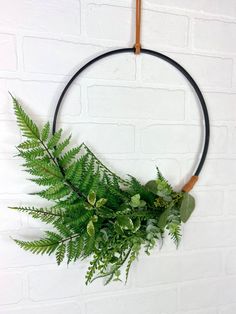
94	212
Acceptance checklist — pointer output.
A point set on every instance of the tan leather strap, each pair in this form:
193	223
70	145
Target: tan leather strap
137	45
190	184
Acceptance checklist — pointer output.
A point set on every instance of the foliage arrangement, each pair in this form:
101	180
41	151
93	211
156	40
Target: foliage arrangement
94	212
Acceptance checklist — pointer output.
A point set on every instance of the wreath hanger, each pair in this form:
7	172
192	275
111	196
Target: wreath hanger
93	211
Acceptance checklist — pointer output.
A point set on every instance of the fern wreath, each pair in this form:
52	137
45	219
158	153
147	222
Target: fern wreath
95	213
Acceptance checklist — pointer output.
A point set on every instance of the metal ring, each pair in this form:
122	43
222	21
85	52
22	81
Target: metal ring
168	60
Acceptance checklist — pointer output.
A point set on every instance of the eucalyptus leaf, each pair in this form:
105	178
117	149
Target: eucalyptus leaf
151	186
163	219
187	206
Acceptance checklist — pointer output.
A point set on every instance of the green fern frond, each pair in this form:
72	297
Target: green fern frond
45	132
60	253
43	246
26	125
69	156
43	168
32	154
28	144
55	138
61	146
47	215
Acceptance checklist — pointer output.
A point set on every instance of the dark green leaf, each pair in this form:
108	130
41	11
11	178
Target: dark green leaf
187	206
163	219
151	186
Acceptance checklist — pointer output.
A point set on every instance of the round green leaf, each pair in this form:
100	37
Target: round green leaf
135	200
151	186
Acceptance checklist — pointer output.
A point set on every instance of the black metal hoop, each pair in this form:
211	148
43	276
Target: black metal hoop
168	60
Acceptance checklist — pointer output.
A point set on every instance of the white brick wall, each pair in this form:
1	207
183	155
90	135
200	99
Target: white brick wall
136	112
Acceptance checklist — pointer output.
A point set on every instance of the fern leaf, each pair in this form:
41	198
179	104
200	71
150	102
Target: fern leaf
70	249
27	126
45	132
60	253
44	168
31	154
46	181
78	247
44	214
66	159
28	144
54	139
61	146
43	246
55	192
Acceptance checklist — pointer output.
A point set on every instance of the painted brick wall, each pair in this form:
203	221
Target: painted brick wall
143	113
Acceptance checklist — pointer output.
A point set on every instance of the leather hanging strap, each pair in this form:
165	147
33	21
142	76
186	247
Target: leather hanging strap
137	45
190	184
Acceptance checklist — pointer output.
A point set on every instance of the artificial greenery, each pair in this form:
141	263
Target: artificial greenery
94	212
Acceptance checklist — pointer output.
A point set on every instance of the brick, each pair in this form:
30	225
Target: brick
126	102
11	287
234	141
42	17
116	67
204	6
198	235
176	268
59	308
9	218
210	35
180	139
4	97
40	98
10	137
230	262
158	301
145	170
229	309
207	71
230	202
205	311
103	138
14	178
214	102
61	283
114	23
208	203
8	59
197	295
41	55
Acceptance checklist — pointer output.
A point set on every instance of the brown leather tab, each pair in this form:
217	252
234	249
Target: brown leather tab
190	184
137	45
